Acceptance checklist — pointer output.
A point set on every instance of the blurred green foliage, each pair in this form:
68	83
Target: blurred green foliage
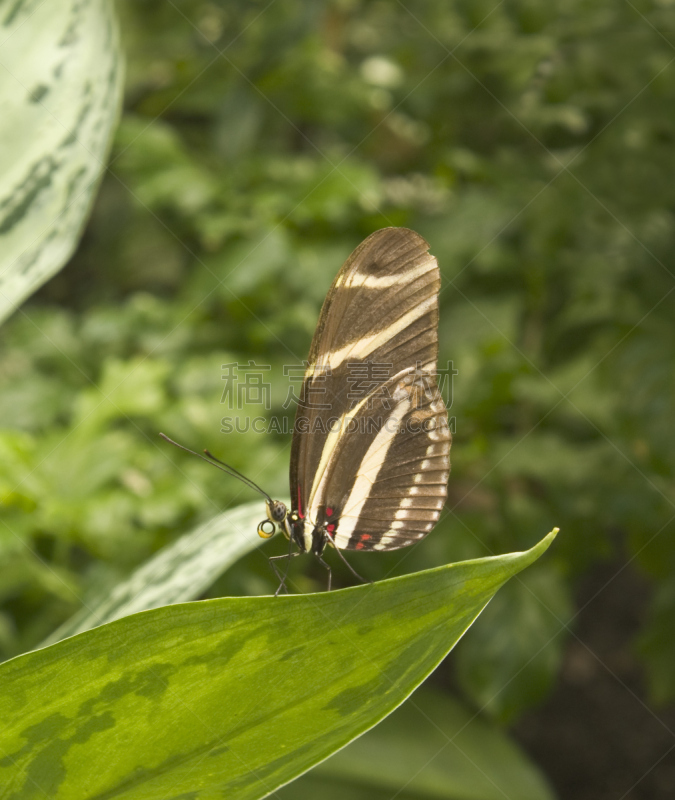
530	142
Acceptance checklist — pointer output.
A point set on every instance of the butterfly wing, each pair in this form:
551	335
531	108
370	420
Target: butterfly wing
381	314
399	442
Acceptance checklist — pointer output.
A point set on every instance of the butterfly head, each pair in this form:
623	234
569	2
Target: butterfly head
276	516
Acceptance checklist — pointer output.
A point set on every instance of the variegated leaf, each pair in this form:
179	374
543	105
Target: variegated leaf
230	697
60	94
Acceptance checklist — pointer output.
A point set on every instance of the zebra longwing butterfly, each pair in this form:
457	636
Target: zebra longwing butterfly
371	442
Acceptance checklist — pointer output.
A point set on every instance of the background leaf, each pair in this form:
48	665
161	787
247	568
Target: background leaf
177	573
430	747
60	96
511	662
236	695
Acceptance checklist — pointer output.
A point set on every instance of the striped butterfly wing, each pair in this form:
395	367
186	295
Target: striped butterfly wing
386	489
379	317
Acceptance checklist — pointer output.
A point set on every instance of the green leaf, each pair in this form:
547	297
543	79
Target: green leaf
60	95
230	697
177	573
429	747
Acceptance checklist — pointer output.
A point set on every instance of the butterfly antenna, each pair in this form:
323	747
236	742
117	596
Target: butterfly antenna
221	465
235	472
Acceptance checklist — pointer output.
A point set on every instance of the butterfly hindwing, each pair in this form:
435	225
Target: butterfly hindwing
387	489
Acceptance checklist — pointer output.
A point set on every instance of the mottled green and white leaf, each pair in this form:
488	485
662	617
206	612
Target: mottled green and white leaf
60	94
230	697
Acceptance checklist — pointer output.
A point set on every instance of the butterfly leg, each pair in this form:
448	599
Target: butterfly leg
351	569
282	578
330	574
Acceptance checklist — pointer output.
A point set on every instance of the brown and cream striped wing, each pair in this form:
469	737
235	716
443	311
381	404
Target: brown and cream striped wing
386	489
381	312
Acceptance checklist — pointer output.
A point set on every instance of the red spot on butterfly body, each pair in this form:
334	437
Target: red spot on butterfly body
365	537
330	528
329	512
359	546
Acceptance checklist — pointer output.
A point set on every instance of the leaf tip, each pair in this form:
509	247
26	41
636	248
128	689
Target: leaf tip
541	546
546	542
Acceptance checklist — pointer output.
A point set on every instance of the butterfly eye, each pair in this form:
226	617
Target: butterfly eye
266	529
278	511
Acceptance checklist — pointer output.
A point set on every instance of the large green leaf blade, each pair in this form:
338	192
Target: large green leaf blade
179	572
230	697
60	95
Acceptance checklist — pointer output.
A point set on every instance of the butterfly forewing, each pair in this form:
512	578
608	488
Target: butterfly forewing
369	460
